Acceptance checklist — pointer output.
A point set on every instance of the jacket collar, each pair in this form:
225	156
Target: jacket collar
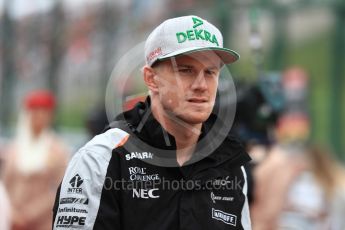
145	127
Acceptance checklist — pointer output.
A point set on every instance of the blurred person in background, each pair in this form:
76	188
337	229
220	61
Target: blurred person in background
34	164
5	210
258	106
298	186
315	199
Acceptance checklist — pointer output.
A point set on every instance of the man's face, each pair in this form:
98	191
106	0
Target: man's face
187	85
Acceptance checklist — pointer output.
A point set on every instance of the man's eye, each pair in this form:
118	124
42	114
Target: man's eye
210	72
185	70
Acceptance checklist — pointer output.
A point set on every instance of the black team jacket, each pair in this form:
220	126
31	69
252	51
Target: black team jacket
116	182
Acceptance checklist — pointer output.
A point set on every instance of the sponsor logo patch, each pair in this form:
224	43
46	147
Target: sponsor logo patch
221	198
145	193
73	210
75	183
156	52
232	184
72	200
139	155
196	34
139	174
70	221
224	217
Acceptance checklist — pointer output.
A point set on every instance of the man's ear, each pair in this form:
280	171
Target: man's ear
150	78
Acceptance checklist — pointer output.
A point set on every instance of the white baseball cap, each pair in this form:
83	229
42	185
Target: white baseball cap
185	35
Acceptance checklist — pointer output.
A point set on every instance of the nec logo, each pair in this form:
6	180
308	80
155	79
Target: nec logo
75	183
145	193
64	221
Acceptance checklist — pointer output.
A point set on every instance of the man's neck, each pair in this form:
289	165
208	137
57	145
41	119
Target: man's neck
186	135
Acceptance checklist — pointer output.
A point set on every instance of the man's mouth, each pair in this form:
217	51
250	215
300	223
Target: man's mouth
197	100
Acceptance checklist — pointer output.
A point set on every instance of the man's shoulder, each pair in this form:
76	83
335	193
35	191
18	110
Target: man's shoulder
232	151
233	142
104	143
92	160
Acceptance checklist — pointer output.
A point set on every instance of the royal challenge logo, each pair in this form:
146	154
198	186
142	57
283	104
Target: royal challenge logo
75	183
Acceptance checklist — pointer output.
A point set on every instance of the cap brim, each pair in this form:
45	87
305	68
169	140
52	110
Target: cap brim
226	55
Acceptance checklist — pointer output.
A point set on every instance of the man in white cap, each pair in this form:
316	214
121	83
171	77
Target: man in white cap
161	165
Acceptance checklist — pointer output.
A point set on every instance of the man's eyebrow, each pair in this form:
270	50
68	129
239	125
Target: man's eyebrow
185	66
213	67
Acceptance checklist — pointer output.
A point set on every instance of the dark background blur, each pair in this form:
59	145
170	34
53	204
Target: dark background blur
71	47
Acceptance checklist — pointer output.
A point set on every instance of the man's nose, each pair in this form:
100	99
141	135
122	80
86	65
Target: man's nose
199	82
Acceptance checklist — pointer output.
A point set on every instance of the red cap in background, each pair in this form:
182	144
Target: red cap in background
39	99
